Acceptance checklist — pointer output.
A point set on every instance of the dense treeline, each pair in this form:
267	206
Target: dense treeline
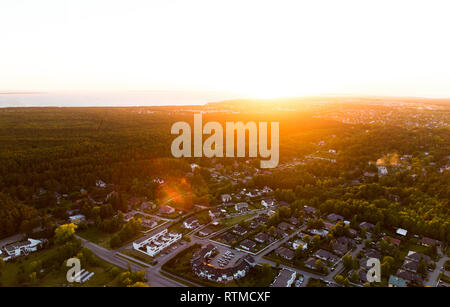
64	150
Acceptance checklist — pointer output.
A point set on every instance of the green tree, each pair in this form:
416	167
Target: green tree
64	233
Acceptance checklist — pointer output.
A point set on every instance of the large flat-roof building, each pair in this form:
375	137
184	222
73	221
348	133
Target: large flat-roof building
153	245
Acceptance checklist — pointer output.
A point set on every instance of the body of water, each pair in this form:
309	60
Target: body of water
144	98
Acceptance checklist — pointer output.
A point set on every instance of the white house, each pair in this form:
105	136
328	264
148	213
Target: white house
401	231
382	170
100	184
225	198
284	279
77	219
241	206
155	244
297	243
190	223
22	248
268	202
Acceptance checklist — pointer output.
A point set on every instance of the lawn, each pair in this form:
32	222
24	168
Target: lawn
137	255
57	277
237	219
96	236
313	282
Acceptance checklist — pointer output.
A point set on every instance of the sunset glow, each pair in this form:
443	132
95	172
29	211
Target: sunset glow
254	48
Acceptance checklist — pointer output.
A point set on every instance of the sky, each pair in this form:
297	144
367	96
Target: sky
261	49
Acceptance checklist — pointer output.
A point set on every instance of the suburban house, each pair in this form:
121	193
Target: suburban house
285	253
342	245
392	240
320	232
409	277
248	245
366	226
309	210
280	232
411	266
100	184
284	279
415	256
155	244
263	237
77	219
228	238
191	223
241	206
395	281
225	198
286	226
401	232
253	193
425	241
239	230
205	232
216	213
297	243
326	256
294	221
166	210
268	202
311	263
150	223
372	253
21	248
332	217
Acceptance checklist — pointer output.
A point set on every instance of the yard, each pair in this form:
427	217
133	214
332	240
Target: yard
11	275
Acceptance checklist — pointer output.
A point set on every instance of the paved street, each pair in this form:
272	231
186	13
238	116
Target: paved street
153	275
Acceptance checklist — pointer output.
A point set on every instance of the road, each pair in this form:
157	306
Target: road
153	275
432	279
155	278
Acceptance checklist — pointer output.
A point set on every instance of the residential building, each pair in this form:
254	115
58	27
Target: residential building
395	281
241	206
21	248
268	202
166	210
284	279
77	219
263	237
248	245
401	232
326	256
225	198
239	230
202	268
155	244
332	217
205	232
285	253
191	223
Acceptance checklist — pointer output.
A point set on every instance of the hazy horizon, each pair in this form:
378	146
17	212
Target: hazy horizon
258	49
146	98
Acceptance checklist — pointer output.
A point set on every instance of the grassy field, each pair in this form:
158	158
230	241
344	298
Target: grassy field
237	219
96	236
137	255
103	276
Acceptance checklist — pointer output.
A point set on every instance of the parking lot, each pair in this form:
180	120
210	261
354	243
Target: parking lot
226	257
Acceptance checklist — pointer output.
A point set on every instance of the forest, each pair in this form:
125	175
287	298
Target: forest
49	152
